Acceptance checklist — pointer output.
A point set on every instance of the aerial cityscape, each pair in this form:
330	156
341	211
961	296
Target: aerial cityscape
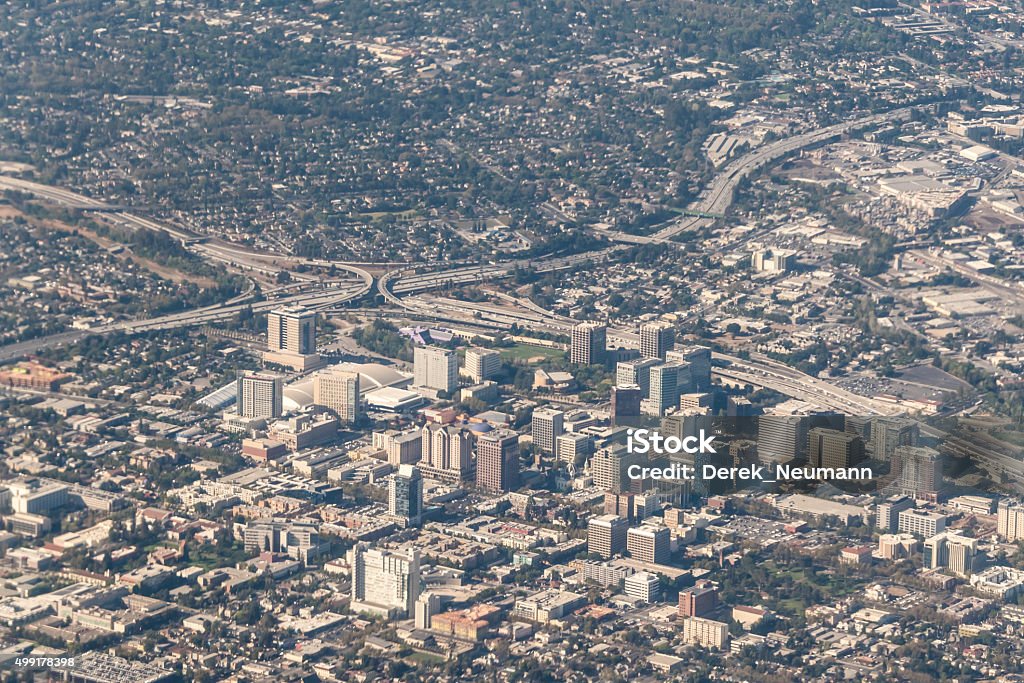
580	340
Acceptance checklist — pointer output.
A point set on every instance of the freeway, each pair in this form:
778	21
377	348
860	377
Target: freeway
333	294
719	195
399	287
316	295
758	370
408	281
1012	292
210	249
766	373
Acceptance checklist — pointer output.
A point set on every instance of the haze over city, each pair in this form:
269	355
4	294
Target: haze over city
472	340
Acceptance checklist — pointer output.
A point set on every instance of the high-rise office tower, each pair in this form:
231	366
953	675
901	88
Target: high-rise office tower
291	329
636	372
606	535
401	447
859	425
690	374
482	364
656	339
573	448
688	423
699	358
405	495
921	522
887	515
446	451
436	368
338	390
609	466
1010	520
497	461
291	338
625	405
260	395
698	600
833	448
649	543
546	427
920	471
781	437
589	342
664	390
384	582
950	550
684	374
888	433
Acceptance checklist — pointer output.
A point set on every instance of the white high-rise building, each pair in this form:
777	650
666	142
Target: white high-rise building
292	330
260	395
610	467
573	448
547	426
338	390
664	389
606	535
589	343
951	551
656	339
636	372
384	582
649	543
436	368
482	364
921	522
1010	520
291	338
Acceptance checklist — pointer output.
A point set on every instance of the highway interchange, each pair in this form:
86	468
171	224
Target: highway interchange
401	283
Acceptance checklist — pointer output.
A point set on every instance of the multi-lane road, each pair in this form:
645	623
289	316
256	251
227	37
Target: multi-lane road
719	195
312	293
210	249
758	370
314	297
401	285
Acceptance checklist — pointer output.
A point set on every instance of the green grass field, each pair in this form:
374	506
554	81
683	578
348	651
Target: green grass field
523	352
